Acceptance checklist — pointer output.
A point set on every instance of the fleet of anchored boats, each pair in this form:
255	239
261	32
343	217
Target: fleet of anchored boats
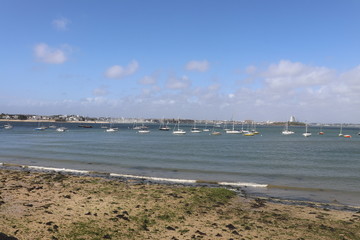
286	131
178	131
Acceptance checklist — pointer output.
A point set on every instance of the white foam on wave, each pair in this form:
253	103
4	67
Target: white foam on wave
239	184
153	178
58	169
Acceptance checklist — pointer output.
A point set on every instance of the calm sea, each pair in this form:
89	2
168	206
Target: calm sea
324	168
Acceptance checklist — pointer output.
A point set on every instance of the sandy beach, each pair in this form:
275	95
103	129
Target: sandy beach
40	205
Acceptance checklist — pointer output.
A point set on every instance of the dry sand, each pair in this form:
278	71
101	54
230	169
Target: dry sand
36	205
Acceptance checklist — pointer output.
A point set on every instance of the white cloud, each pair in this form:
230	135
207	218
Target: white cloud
287	74
46	54
178	83
61	23
201	66
119	72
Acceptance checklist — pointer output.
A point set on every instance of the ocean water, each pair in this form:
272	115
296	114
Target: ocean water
321	168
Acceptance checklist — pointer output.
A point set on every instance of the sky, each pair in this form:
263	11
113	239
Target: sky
204	59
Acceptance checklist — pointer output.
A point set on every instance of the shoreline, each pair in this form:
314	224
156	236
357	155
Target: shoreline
54	205
242	189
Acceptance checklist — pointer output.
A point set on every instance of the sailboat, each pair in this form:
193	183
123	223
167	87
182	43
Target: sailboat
286	130
144	129
254	128
61	129
111	129
195	129
214	132
321	131
306	133
8	126
233	131
178	131
164	127
135	126
248	133
206	129
340	133
40	128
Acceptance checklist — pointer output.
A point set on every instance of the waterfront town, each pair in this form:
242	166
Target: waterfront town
4	117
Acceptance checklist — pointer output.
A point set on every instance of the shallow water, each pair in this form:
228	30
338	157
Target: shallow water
322	168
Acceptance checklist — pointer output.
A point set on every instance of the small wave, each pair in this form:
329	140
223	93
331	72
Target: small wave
240	184
58	169
156	179
153	178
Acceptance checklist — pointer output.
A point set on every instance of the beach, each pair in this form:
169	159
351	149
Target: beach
54	205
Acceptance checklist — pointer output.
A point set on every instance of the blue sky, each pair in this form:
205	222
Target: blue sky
261	60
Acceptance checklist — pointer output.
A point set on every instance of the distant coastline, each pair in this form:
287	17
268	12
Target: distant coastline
49	121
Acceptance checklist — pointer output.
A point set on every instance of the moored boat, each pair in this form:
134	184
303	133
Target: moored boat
143	131
233	131
340	133
206	129
247	134
61	129
40	127
195	129
85	126
163	126
8	126
306	133
112	129
178	131
286	130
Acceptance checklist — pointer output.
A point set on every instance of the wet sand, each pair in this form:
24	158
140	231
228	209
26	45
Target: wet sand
40	205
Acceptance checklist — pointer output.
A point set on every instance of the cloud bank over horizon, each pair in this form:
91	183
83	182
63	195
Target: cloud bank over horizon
286	87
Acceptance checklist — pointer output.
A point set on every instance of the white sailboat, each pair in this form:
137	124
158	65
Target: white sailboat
144	129
195	129
233	131
306	133
206	129
178	131
61	129
340	133
111	128
286	130
8	126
